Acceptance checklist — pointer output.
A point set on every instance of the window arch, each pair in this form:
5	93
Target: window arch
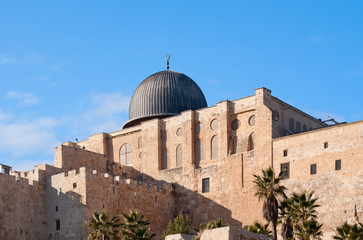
139	143
164	158
198	151
126	154
251	142
304	128
292	125
214	147
298	126
233	145
179	155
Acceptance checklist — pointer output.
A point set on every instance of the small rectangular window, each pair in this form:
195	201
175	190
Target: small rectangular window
285	153
285	169
74	185
313	169
56	208
205	185
338	164
326	145
57	225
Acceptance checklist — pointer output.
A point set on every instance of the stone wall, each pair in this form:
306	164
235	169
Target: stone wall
66	203
283	113
339	192
74	196
71	156
23	207
223	233
246	131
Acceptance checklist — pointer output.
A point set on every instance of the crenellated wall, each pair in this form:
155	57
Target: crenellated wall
22	206
75	195
200	163
70	156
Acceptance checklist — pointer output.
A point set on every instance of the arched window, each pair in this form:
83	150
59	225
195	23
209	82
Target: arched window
292	125
179	155
251	142
126	154
214	124
198	151
298	127
214	147
305	128
233	145
252	120
164	158
139	143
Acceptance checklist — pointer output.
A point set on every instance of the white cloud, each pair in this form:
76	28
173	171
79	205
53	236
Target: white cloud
106	112
5	59
212	82
56	67
34	59
318	38
108	104
23	98
25	137
3	116
42	77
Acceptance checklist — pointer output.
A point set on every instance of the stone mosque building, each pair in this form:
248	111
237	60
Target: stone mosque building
176	154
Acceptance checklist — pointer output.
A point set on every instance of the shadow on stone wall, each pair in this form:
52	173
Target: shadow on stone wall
68	209
199	208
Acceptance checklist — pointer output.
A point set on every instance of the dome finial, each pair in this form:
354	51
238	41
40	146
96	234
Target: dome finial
167	57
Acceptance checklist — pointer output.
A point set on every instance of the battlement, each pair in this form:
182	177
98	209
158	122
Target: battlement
87	173
38	174
19	180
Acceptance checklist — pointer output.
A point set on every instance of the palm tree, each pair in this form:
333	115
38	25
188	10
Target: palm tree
102	228
268	188
303	206
287	229
260	229
348	232
300	210
135	228
309	229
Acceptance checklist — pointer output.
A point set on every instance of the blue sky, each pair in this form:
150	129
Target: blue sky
69	68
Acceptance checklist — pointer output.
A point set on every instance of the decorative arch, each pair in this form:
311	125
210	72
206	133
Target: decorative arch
126	154
291	125
214	147
298	126
164	158
179	155
233	145
139	142
198	151
251	141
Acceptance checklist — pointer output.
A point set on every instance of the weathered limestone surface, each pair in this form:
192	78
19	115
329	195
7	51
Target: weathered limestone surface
229	233
22	207
224	233
340	192
179	237
236	139
77	194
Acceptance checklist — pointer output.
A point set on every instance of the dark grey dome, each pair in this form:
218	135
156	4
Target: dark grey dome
163	94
